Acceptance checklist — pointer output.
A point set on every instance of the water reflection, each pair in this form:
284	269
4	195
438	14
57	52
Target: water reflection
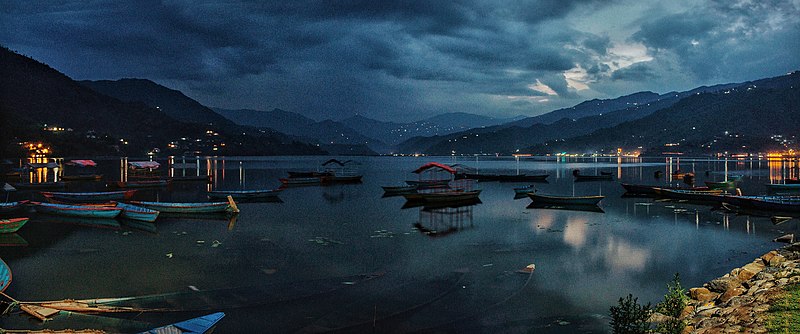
444	219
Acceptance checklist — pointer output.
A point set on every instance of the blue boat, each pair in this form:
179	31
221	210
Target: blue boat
5	276
85	211
202	207
139	213
199	325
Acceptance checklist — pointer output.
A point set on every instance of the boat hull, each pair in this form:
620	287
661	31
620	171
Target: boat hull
204	324
5	275
565	200
165	207
11	206
708	196
721	185
89	197
243	194
84	211
444	196
12	225
139	213
88	177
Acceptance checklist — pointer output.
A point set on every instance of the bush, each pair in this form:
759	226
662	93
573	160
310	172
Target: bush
674	302
629	317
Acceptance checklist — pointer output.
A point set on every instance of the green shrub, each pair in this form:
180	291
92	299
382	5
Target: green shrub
628	317
674	302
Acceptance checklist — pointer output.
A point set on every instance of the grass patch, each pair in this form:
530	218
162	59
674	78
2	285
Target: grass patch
784	313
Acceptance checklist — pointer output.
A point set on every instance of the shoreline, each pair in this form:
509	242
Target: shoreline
739	300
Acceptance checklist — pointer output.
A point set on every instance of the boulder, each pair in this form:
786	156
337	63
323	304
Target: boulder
730	293
776	260
702	294
687	312
768	256
723	284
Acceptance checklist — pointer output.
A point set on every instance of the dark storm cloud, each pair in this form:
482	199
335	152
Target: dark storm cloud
395	59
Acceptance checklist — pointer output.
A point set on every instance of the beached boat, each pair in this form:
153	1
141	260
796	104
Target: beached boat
173	207
711	195
9	207
5	275
443	196
244	194
565	200
85	211
142	184
199	325
134	212
11	225
89	197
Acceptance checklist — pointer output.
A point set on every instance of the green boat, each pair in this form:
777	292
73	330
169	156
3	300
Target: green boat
12	225
84	211
5	276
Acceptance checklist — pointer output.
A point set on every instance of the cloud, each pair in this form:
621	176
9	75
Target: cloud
636	72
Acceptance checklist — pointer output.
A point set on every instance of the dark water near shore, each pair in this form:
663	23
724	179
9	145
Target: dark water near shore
584	261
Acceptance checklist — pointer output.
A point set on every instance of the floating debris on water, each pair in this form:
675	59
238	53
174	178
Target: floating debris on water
325	241
169	255
215	243
200	242
528	269
269	271
383	234
193	288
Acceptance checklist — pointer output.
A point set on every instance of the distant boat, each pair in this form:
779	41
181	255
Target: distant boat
525	190
135	212
443	196
300	181
398	190
40	185
85	211
731	184
199	325
89	197
580	177
783	188
565	200
5	275
9	207
172	207
244	194
767	203
142	184
303	174
642	189
711	195
12	225
82	177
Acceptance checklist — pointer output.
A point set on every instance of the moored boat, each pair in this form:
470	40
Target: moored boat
565	200
139	213
783	188
244	194
643	189
40	185
85	211
11	225
142	184
89	197
444	196
340	179
721	185
175	207
767	203
427	184
300	181
5	275
82	177
523	178
711	195
600	177
11	206
199	325
399	189
525	190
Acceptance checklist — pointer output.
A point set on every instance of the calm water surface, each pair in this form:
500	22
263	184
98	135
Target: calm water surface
461	279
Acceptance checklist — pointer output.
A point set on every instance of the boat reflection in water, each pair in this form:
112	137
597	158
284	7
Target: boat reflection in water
441	219
12	240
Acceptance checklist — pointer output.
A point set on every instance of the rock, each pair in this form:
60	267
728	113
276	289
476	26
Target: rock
708	312
723	284
764	276
776	260
730	293
745	274
783	281
688	329
701	294
794	279
761	308
686	312
742	300
658	318
767	257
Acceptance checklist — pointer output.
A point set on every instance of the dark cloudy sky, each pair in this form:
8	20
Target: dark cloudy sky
404	60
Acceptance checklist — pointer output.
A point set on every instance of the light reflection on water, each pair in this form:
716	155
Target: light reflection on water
584	261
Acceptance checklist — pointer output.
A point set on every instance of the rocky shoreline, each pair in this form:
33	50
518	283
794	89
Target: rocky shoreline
737	302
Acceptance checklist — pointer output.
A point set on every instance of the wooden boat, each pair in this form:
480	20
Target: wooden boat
783	188
642	189
40	185
199	325
173	207
142	184
300	181
134	212
9	207
5	275
244	194
304	174
12	225
525	190
397	190
85	211
711	195
443	196
721	185
89	197
82	177
565	200
428	184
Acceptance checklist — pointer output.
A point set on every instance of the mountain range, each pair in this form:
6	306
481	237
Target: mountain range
133	116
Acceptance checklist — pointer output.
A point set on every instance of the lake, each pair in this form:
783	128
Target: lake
345	256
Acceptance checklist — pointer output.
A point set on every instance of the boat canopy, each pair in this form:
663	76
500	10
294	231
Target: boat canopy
143	164
42	165
462	168
430	165
82	163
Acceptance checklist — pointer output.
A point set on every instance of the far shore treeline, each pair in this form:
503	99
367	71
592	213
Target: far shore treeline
134	117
